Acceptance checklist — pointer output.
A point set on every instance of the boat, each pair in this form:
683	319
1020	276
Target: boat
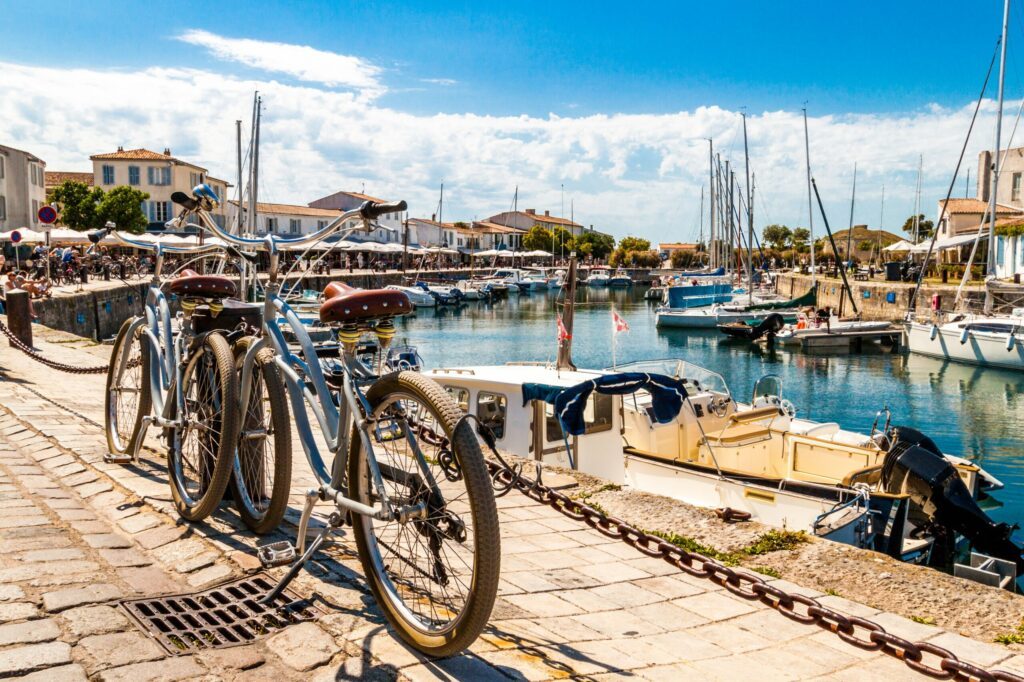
442	293
536	279
512	278
477	290
825	321
987	340
621	278
417	296
597	277
732	314
886	491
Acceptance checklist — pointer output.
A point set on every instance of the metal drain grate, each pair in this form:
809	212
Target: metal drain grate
224	616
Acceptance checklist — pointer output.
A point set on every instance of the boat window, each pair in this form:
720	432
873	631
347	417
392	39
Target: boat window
597	416
460	395
1002	328
491	410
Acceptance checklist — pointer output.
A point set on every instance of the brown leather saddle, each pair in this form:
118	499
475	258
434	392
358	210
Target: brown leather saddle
190	283
344	304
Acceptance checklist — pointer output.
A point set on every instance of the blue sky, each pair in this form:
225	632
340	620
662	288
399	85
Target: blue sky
540	94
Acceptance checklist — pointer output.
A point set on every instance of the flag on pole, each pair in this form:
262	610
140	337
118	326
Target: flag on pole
563	333
619	324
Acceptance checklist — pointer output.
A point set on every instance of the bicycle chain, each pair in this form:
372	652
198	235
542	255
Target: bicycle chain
798	607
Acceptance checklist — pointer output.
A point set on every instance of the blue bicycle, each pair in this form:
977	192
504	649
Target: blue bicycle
393	453
184	382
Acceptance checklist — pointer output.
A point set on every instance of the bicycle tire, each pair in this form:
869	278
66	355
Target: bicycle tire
267	393
464	629
121	440
216	415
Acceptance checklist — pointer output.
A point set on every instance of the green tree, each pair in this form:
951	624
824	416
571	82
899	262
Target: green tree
924	227
634	244
123	206
538	238
600	244
777	236
683	259
799	238
865	245
77	204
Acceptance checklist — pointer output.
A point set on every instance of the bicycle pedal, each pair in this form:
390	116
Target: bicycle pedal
111	458
276	554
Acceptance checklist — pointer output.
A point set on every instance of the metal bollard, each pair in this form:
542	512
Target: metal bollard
19	319
106	273
84	274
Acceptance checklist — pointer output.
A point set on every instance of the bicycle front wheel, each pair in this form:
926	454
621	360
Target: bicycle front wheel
435	575
263	465
202	444
127	398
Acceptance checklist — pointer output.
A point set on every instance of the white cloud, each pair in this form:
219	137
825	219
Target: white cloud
440	81
626	173
299	61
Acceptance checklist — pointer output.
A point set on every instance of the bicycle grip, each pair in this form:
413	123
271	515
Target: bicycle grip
371	210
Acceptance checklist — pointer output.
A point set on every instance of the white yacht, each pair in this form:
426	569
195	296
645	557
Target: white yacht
621	278
419	297
990	341
598	276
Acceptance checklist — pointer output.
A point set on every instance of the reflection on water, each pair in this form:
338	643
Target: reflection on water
974	412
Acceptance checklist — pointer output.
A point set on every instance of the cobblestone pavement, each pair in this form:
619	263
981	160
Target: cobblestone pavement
76	534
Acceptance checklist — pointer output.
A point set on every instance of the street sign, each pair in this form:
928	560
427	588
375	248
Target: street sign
47	215
15	237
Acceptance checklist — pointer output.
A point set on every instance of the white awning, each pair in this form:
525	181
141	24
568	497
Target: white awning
948	243
901	245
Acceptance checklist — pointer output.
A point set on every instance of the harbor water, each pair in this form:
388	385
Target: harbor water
970	411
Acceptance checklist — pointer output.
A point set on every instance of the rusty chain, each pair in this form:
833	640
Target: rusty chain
859	632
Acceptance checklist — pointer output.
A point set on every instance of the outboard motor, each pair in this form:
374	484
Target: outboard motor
740	330
915	465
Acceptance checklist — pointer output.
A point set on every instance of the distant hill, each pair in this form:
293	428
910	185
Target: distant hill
861	234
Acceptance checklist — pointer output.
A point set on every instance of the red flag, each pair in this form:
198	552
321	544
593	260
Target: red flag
563	333
618	323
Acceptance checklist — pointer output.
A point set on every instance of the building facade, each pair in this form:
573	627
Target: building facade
346	201
22	188
286	220
159	175
524	220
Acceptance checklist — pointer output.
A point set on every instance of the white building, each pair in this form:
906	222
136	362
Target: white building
22	188
286	220
346	201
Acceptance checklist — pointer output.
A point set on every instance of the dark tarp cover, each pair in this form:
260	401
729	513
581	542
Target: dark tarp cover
667	395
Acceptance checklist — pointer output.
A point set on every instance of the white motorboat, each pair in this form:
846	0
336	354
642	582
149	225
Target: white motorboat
419	297
598	277
811	325
755	457
990	341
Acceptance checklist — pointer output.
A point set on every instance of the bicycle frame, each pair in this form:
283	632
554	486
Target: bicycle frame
167	350
334	418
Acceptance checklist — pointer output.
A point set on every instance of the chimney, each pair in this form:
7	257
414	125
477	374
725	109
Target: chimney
120	147
167	151
531	211
984	174
433	217
547	214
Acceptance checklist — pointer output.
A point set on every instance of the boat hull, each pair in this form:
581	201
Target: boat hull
980	348
706	319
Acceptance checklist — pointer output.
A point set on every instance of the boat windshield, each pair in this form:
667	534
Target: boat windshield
702	378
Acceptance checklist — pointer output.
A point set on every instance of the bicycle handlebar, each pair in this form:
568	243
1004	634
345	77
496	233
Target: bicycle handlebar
371	210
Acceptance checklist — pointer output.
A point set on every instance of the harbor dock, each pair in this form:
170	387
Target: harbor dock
78	536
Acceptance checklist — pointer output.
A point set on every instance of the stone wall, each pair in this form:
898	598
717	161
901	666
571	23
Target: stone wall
877	300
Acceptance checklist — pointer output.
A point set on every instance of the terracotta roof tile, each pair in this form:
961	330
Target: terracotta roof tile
975	206
54	178
292	209
133	154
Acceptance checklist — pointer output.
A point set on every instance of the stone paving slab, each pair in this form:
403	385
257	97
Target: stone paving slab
573	603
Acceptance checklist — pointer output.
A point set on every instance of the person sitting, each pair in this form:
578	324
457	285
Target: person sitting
13	283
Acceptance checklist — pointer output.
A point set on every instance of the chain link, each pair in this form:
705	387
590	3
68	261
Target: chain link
851	629
53	364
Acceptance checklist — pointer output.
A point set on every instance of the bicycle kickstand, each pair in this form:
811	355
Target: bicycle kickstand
281	553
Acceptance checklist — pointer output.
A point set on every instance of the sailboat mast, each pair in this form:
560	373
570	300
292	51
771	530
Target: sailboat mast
750	218
254	190
849	232
917	197
238	145
711	218
700	237
810	207
998	165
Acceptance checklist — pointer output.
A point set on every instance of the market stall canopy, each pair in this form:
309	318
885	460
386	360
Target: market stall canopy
948	243
27	236
536	254
899	247
62	235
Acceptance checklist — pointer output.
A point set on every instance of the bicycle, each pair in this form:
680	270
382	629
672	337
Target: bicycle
188	377
407	471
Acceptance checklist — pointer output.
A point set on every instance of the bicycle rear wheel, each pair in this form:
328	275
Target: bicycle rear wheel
127	399
262	471
202	448
435	577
